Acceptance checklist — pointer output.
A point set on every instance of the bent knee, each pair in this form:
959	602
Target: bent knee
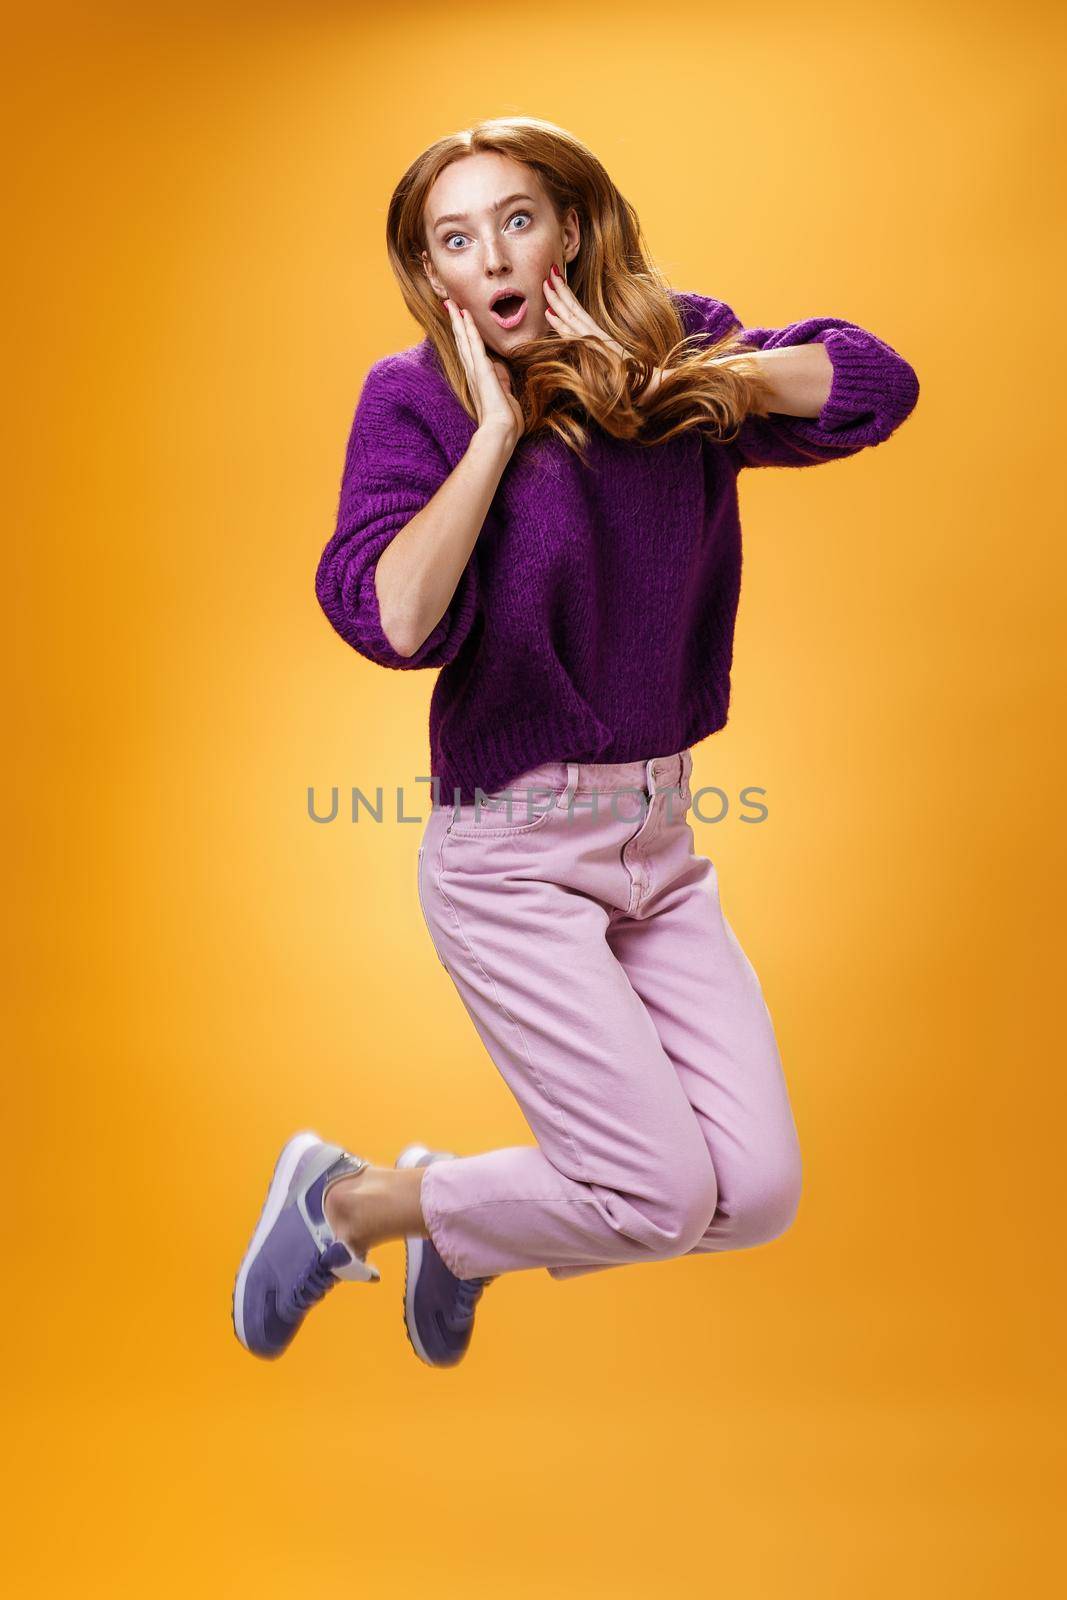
685	1208
770	1212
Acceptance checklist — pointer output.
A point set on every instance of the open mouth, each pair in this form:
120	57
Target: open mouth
509	310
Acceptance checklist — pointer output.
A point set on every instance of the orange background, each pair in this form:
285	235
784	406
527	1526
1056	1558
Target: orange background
197	283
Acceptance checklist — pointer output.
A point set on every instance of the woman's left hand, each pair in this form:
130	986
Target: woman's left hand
572	321
567	316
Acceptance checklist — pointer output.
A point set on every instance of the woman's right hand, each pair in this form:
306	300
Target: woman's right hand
489	381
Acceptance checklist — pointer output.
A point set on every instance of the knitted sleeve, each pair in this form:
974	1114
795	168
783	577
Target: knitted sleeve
394	465
872	391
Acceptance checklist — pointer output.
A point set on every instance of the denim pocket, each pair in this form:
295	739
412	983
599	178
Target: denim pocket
520	808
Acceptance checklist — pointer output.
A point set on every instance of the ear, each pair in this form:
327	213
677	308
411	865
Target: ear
572	235
435	283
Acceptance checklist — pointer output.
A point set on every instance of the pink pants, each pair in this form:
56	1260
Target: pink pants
587	942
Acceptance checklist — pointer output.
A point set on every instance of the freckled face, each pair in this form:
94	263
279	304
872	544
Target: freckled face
491	226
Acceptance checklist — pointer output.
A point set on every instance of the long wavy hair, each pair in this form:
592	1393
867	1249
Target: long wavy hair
559	381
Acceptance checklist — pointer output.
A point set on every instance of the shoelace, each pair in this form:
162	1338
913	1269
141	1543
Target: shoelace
312	1284
467	1296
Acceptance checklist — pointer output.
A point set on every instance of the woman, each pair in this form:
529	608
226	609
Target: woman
540	499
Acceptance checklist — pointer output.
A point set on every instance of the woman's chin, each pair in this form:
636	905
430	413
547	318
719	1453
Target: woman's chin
512	347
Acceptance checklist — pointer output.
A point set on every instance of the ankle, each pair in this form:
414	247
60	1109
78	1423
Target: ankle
380	1203
343	1205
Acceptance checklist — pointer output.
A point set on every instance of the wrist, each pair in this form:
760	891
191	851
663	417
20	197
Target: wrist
493	439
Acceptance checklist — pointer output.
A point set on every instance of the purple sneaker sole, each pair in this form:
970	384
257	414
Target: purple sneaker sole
439	1308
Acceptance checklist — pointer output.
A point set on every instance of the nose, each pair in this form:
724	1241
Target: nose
496	262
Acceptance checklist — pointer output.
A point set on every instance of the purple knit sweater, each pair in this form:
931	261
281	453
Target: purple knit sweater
594	619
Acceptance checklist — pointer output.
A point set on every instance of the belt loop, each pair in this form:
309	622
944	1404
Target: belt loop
650	778
573	769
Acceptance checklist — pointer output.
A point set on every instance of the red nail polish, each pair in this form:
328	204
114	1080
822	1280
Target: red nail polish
555	271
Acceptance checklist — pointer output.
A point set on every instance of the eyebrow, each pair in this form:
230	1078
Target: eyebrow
461	216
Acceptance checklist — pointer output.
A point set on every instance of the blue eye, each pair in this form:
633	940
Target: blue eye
511	219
